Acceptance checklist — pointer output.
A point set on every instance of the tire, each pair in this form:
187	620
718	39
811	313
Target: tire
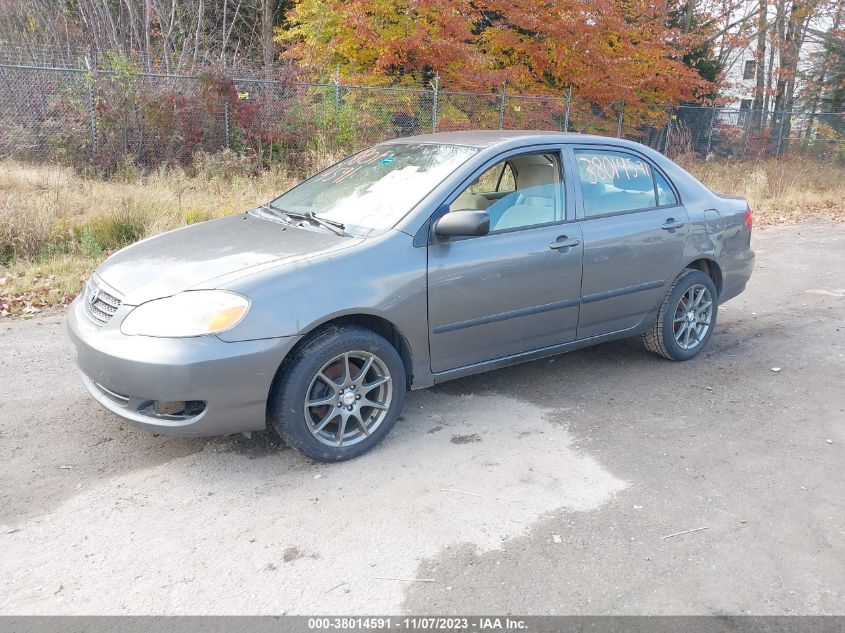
337	422
675	334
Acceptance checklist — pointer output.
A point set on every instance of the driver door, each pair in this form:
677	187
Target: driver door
516	289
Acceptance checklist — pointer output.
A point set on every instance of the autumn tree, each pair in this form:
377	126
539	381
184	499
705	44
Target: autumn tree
608	50
388	41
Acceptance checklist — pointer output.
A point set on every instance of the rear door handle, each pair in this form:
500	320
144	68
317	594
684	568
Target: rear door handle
564	242
671	224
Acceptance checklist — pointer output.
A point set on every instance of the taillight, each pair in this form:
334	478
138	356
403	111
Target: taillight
749	219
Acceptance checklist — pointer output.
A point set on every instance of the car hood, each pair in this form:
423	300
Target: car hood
194	256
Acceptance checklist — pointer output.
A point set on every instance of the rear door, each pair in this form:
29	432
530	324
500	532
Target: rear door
634	230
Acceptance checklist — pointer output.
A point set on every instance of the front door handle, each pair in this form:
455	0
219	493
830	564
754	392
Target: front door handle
564	242
671	224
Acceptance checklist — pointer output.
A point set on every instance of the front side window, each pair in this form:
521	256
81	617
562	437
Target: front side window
613	182
497	179
374	189
519	192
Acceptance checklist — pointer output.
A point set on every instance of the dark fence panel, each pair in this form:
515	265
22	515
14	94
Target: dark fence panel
105	118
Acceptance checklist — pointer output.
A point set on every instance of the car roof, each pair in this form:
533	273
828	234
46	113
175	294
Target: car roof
489	138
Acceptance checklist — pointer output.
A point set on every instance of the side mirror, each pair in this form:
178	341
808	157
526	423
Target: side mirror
466	222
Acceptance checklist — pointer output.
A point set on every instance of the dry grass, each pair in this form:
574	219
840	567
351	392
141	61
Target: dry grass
779	191
56	224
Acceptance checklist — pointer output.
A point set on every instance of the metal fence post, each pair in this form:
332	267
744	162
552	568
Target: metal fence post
502	106
780	134
710	131
226	112
668	132
436	87
336	131
337	89
568	104
91	111
619	120
226	123
748	117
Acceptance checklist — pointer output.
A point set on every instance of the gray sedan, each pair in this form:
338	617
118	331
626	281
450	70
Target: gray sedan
413	262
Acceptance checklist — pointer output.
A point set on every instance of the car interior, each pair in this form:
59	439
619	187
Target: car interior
620	194
522	191
613	182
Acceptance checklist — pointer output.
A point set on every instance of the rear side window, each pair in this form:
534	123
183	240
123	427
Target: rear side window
614	182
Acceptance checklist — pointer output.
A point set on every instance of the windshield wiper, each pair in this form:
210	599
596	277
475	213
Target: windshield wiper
269	208
339	226
335	227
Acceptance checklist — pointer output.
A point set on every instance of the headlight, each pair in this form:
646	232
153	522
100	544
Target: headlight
191	313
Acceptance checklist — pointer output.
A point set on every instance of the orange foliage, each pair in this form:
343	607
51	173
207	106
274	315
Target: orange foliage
609	50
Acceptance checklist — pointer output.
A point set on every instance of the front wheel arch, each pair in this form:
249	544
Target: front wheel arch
372	322
295	378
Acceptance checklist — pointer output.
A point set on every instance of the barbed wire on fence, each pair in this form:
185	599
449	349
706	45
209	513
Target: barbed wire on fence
105	117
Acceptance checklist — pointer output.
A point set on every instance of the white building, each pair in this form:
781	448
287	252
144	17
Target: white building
740	69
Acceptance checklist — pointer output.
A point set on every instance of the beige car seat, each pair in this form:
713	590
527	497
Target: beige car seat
535	185
469	200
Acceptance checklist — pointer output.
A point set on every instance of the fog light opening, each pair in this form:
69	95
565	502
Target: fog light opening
173	409
170	407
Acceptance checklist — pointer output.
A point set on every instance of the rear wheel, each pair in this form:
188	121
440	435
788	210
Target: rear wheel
340	394
686	317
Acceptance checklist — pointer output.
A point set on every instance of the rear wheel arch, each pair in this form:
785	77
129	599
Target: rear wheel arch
706	265
693	292
710	268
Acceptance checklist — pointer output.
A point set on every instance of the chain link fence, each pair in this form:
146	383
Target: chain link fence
104	118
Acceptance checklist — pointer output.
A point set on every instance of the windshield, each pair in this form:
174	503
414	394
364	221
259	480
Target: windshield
374	189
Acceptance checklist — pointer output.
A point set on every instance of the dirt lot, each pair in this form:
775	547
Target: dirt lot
549	488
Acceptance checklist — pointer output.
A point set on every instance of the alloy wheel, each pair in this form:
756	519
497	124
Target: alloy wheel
692	317
348	398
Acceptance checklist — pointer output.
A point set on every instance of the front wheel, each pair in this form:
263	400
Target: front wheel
339	395
686	317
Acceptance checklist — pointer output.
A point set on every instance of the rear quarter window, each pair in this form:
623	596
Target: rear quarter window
665	195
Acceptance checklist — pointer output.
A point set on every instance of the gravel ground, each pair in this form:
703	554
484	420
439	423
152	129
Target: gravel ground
602	481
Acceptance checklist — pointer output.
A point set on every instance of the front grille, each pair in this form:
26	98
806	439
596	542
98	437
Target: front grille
100	304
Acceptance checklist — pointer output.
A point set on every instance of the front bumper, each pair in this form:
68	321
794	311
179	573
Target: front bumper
126	373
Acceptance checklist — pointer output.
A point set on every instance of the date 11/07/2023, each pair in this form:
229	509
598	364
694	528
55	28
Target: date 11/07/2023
421	623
